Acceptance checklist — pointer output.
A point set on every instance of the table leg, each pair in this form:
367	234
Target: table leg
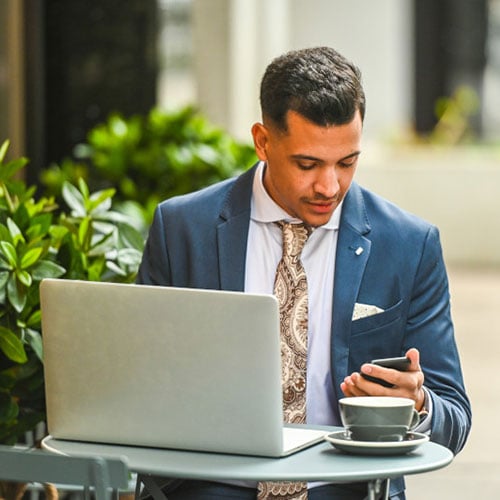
378	489
150	484
86	493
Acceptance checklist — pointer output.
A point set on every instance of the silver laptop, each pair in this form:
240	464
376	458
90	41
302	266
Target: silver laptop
165	367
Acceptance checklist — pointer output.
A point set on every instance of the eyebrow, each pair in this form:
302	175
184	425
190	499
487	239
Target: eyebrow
314	158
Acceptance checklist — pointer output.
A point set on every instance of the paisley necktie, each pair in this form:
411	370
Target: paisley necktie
290	287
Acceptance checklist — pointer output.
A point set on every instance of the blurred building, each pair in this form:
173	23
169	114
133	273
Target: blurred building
65	64
411	52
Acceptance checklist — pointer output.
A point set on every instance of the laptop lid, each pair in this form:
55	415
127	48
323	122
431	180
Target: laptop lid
163	367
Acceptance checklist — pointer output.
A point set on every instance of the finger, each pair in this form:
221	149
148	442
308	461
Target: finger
370	388
346	389
347	385
357	385
350	385
401	384
388	375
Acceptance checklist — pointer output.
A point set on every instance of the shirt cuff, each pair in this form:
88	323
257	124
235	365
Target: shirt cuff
424	426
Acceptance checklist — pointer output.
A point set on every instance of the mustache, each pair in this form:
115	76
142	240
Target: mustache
325	199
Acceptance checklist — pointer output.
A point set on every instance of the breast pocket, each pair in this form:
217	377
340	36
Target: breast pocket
377	336
379	320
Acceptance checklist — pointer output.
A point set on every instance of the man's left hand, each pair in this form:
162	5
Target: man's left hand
407	384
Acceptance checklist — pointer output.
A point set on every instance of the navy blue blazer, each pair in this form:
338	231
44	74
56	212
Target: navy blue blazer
199	240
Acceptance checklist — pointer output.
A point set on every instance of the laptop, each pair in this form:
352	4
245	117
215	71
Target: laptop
165	367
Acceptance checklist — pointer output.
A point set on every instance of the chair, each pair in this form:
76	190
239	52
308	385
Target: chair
31	465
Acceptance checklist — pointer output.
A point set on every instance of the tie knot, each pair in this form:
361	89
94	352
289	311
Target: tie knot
294	237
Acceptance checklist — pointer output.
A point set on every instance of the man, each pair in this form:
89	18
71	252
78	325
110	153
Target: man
376	281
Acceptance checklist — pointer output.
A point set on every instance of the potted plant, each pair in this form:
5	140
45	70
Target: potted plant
39	239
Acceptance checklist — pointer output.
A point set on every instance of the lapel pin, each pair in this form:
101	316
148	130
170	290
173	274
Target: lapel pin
358	251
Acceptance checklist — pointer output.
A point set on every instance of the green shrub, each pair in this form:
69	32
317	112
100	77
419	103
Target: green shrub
38	239
151	158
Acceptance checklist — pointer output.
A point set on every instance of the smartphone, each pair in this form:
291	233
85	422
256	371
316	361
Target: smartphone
400	364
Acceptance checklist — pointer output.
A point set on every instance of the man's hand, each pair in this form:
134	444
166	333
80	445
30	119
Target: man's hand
407	384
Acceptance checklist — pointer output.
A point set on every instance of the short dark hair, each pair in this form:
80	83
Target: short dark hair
318	83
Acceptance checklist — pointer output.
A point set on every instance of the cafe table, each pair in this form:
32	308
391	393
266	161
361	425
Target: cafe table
321	462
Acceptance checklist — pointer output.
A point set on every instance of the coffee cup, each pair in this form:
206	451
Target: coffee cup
378	418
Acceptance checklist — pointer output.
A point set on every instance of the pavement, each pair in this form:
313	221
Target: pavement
475	472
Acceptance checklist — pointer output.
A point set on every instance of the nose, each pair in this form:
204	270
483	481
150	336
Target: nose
326	183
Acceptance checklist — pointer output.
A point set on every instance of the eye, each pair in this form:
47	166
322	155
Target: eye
306	165
350	162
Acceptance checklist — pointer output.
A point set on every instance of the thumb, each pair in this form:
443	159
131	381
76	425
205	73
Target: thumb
414	356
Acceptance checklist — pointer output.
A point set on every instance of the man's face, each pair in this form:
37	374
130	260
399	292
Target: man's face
309	167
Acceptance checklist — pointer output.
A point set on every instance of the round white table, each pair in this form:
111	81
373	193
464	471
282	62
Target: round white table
321	462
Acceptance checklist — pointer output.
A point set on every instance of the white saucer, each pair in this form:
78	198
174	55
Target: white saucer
343	442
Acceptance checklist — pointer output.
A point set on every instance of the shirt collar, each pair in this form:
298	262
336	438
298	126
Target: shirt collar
265	209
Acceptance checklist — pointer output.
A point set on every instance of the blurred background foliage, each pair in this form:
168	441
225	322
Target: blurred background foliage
454	117
148	158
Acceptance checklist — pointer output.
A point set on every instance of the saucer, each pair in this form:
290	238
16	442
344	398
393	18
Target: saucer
343	442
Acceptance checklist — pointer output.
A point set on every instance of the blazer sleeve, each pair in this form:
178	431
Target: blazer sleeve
155	265
430	329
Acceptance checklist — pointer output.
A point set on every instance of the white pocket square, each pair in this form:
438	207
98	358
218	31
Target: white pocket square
364	310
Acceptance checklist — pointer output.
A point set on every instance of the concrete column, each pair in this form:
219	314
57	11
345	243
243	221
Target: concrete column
234	42
211	58
377	37
12	77
242	69
236	39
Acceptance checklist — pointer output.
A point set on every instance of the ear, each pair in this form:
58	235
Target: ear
260	139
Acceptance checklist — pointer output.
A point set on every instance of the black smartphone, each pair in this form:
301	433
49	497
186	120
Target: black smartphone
400	364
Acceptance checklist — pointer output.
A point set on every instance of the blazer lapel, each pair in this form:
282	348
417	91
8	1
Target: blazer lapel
232	233
353	250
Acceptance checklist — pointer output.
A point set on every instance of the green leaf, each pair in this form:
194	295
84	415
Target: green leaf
15	232
4	277
9	169
129	257
113	216
3	149
131	237
103	228
115	268
34	339
35	318
24	277
22	214
31	257
84	232
8	252
74	199
5	233
39	226
101	200
58	232
47	269
83	188
12	346
16	293
94	271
